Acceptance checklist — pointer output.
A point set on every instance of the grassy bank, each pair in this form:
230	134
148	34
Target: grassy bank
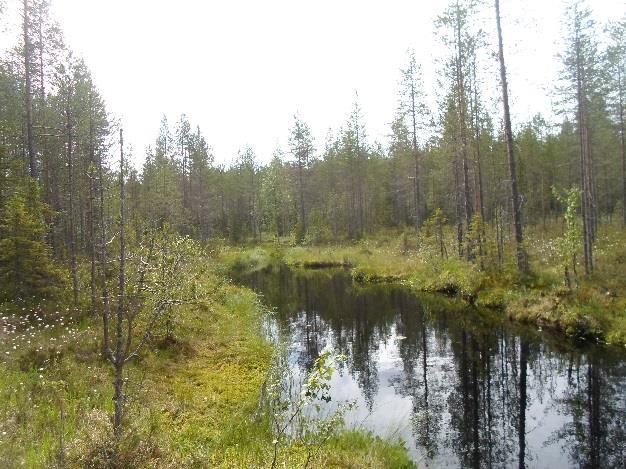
595	308
193	401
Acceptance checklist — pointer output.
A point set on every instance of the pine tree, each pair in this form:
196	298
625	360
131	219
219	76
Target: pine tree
275	196
581	78
616	67
301	144
415	112
455	23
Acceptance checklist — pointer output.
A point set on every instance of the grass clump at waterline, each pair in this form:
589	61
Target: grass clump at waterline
193	399
236	259
593	307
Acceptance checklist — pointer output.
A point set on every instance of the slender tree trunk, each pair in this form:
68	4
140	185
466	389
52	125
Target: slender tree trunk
442	248
183	155
42	97
425	362
301	184
543	201
489	418
499	235
594	425
467	202
523	358
253	204
465	394
79	169
360	180
475	407
70	179
585	164
92	218
522	260
42	92
622	145
118	396
47	179
458	207
106	305
28	91
416	157
479	171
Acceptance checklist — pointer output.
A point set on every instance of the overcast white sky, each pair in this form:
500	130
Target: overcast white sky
241	68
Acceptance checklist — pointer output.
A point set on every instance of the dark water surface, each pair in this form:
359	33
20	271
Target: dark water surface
460	387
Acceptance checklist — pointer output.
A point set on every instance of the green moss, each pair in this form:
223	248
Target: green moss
194	401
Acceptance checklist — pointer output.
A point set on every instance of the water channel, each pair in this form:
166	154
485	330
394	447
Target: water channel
461	387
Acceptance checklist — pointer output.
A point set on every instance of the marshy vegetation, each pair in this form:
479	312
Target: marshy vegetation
482	242
591	307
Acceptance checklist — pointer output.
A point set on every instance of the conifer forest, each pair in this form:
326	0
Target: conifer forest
449	291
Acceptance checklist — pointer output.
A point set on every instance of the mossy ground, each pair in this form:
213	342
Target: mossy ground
193	401
596	308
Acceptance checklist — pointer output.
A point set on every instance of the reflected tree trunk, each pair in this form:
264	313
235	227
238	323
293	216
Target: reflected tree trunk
475	407
593	412
523	357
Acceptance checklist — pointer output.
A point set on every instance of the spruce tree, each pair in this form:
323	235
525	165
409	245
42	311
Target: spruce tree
26	269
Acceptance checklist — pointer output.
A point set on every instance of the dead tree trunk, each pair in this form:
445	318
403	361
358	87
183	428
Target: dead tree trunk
522	261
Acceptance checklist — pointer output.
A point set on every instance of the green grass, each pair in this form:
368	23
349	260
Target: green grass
595	309
233	259
193	402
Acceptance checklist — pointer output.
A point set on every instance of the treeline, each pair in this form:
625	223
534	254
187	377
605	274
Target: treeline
58	176
452	158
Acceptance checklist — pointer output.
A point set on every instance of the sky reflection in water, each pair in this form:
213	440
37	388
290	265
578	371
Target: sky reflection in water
462	388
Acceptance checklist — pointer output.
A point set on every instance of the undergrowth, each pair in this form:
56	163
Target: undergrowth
193	399
593	308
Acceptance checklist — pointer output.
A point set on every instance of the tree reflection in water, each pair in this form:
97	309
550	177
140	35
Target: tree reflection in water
464	388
